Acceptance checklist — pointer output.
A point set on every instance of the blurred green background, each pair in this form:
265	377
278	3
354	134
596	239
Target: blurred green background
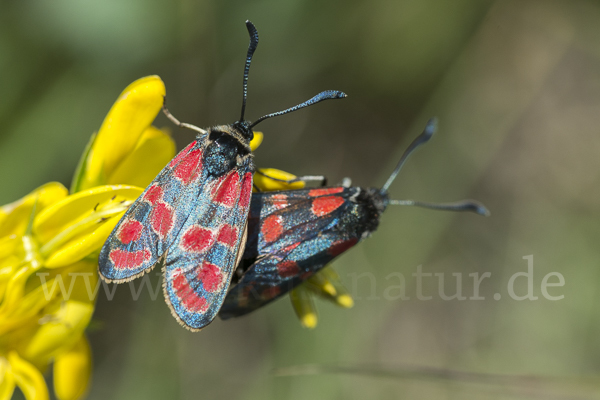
516	87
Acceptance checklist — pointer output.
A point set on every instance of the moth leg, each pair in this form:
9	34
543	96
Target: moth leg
177	122
322	179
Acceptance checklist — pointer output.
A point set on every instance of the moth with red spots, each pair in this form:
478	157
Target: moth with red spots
192	218
293	234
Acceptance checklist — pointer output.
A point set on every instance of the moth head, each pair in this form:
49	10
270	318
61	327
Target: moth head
244	129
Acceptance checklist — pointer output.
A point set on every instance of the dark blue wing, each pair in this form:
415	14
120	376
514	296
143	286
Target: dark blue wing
292	235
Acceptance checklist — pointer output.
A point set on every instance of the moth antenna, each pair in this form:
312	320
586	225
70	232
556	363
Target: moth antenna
251	49
327	94
421	139
177	122
464	205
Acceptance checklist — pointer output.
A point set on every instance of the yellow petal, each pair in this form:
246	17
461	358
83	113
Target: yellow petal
327	284
63	329
80	170
56	218
132	113
65	318
7	380
256	141
29	306
264	182
154	150
8	260
72	371
304	306
30	380
320	281
8	245
345	300
82	245
77	282
14	217
26	308
14	291
26	262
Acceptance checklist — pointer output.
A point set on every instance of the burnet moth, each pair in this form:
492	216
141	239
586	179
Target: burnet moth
293	234
192	218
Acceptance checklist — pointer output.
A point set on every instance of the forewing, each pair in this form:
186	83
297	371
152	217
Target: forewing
201	259
292	235
151	223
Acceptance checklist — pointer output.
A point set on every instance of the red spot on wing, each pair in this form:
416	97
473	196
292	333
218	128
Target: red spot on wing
339	247
182	154
154	194
325	205
291	247
189	167
129	259
161	219
325	191
211	277
196	239
272	228
288	269
227	191
228	235
129	231
279	201
270	292
246	192
188	298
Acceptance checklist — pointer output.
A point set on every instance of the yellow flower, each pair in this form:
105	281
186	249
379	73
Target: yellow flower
325	283
127	149
50	239
49	244
271	179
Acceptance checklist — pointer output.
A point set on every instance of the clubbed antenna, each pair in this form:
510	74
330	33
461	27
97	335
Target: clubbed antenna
464	205
328	94
421	139
251	49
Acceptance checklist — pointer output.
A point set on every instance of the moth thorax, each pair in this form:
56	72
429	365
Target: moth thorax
222	151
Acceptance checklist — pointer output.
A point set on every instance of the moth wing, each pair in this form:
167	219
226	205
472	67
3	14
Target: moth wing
200	261
144	232
295	237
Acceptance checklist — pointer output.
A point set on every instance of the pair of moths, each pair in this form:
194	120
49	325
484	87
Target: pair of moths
200	221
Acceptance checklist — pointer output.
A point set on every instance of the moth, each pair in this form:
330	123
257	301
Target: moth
293	234
191	220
